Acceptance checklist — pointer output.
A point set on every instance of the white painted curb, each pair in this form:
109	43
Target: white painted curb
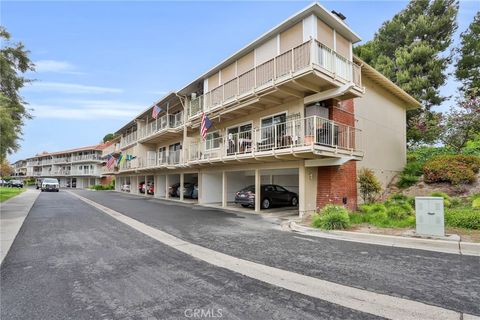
446	246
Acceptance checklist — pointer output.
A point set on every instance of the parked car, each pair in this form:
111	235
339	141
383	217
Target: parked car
190	190
271	195
141	187
125	187
172	190
15	184
50	184
2	182
151	188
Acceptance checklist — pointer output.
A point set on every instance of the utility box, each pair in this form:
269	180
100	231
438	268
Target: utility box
430	216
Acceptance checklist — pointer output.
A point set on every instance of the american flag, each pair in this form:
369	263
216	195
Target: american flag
156	110
110	161
205	125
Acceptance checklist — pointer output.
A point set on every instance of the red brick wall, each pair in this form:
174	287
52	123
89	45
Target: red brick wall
106	180
336	182
342	111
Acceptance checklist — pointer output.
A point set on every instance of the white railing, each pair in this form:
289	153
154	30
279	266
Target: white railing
174	157
280	66
61	160
86	157
167	121
128	139
338	65
298	133
162	158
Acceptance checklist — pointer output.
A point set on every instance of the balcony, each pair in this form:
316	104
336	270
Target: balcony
307	138
87	157
312	66
61	160
128	140
165	127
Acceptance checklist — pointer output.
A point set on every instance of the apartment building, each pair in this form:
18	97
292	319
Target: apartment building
75	168
295	108
19	168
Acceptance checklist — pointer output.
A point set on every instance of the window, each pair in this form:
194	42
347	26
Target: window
162	154
280	189
273	126
212	140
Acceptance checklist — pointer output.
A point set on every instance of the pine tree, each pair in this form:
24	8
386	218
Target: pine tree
468	64
409	50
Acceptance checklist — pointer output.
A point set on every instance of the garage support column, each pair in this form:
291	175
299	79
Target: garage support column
167	194
182	187
257	190
224	189
200	187
301	190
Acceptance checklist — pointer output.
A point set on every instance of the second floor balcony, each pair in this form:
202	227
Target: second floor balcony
307	138
128	139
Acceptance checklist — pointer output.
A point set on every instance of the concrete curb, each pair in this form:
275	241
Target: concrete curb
12	214
446	246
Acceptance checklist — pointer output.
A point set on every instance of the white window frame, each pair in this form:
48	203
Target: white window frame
210	149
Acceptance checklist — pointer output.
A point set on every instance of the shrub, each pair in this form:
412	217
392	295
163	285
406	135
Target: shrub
399	211
103	187
476	203
463	218
406	180
331	217
455	202
369	185
373	208
451	168
446	198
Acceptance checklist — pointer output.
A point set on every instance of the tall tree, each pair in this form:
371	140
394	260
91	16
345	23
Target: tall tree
468	65
14	62
410	50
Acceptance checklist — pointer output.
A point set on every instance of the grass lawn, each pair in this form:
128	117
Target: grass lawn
7	193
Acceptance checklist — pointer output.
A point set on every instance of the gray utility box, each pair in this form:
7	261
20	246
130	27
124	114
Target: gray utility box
430	216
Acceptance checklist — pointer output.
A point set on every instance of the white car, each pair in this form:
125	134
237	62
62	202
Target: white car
50	184
125	187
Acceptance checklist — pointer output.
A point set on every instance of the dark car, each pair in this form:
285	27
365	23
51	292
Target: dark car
271	195
15	184
172	191
190	190
141	187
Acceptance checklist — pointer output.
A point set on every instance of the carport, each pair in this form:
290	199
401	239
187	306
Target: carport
236	181
172	179
190	195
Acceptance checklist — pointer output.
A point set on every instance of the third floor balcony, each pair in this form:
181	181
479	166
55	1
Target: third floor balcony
304	70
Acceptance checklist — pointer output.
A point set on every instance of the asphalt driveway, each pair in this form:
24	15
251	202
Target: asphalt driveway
446	280
70	261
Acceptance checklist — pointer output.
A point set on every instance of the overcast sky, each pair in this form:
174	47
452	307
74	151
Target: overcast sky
101	63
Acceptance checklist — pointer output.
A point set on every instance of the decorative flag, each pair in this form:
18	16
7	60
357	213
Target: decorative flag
130	157
120	157
122	160
156	110
110	161
205	125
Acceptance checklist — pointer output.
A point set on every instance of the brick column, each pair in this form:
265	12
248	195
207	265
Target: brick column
341	111
336	184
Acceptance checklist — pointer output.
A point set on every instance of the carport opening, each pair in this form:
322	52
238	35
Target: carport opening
190	187
279	190
211	188
150	185
125	185
173	186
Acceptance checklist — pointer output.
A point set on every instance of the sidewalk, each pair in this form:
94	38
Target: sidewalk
447	246
12	214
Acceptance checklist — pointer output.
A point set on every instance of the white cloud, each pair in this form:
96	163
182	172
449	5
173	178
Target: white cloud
87	110
56	66
39	86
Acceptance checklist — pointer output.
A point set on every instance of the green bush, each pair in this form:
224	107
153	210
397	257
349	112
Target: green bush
451	168
331	217
407	180
446	198
103	187
399	211
369	185
464	217
455	202
476	203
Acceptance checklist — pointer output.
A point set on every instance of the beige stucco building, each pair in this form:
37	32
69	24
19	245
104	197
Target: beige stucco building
293	108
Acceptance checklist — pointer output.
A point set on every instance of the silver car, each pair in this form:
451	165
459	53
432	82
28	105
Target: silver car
50	184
